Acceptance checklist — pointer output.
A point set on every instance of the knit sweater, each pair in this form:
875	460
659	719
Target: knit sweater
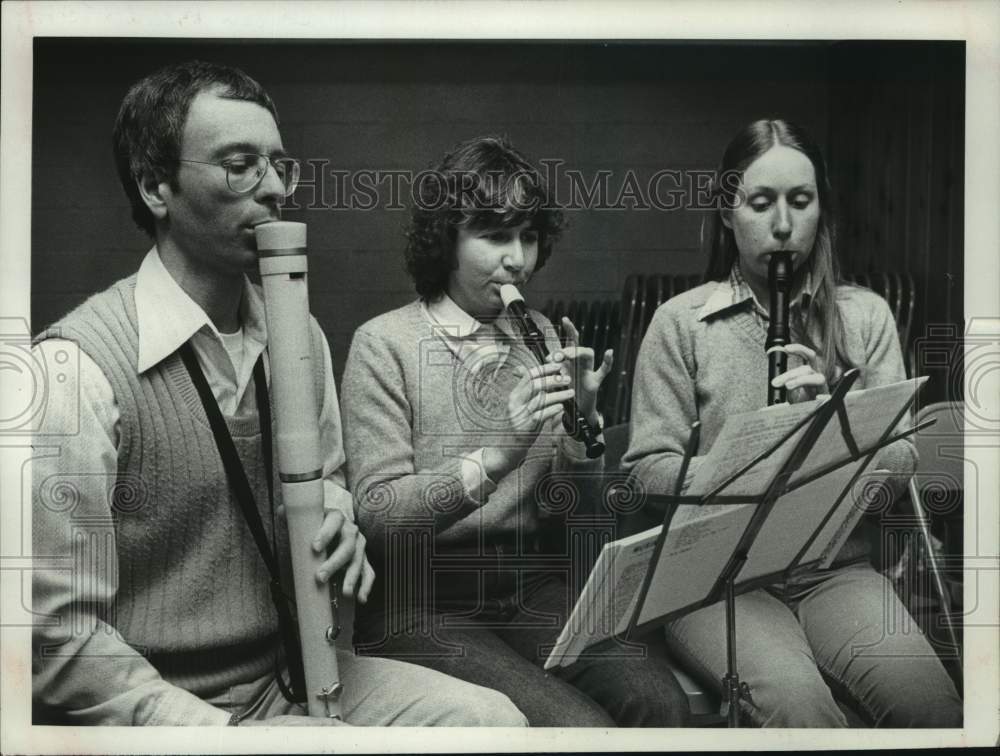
183	583
707	368
411	409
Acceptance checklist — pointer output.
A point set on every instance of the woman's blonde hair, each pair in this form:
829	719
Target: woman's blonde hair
820	326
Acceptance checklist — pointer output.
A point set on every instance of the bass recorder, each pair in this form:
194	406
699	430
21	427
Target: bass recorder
282	256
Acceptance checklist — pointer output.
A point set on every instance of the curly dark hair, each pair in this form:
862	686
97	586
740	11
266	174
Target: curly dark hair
480	185
150	123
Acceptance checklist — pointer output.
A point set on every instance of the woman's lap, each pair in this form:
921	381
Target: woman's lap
505	648
840	626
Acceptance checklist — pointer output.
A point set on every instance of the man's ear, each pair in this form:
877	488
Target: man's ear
154	193
727	217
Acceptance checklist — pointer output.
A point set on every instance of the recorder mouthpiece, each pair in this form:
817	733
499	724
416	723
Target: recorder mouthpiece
509	294
280	235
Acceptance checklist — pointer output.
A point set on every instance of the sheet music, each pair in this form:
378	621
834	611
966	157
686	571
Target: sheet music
795	517
689	564
866	491
701	540
749	434
692	558
611	591
742	438
868	412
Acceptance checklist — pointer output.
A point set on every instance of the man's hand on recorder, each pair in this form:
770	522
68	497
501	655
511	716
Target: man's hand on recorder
349	552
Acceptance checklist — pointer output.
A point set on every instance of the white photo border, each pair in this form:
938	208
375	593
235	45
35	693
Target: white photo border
978	23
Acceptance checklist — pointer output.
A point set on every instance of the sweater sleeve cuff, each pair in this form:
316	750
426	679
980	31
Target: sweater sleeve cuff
478	485
338	499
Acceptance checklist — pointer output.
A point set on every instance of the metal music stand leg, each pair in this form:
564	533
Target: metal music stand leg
733	691
943	595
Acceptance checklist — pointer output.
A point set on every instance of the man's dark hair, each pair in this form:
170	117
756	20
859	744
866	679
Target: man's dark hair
481	184
150	123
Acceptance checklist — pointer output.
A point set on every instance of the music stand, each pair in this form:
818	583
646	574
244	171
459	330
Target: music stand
726	585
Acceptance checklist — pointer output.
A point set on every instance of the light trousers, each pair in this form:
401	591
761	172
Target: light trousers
386	693
843	629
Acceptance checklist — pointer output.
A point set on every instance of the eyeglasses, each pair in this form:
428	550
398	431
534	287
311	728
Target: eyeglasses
245	171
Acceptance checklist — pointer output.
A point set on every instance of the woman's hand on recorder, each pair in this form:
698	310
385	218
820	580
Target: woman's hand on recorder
537	397
803	382
535	400
577	363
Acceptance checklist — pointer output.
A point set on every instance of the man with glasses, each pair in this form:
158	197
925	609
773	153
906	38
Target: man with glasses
167	615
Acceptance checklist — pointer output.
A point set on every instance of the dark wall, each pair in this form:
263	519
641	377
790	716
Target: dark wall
897	165
400	106
383	106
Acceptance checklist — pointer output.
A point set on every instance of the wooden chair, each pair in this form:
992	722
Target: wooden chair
640	298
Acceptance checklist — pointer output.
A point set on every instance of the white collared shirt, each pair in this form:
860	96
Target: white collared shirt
166	318
463	334
734	291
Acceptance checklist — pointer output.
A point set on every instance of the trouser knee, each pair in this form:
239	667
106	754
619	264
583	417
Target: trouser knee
480	707
940	713
638	693
643	712
794	706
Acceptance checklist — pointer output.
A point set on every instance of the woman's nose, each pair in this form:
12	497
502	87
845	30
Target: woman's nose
782	228
514	255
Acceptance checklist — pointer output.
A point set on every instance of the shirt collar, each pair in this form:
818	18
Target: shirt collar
734	291
167	317
456	324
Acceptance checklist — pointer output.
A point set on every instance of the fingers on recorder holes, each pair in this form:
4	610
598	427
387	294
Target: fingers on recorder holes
538	395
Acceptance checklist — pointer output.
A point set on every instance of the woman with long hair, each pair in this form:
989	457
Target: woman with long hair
703	359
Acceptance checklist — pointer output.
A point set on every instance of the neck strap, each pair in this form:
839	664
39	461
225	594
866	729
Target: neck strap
240	486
